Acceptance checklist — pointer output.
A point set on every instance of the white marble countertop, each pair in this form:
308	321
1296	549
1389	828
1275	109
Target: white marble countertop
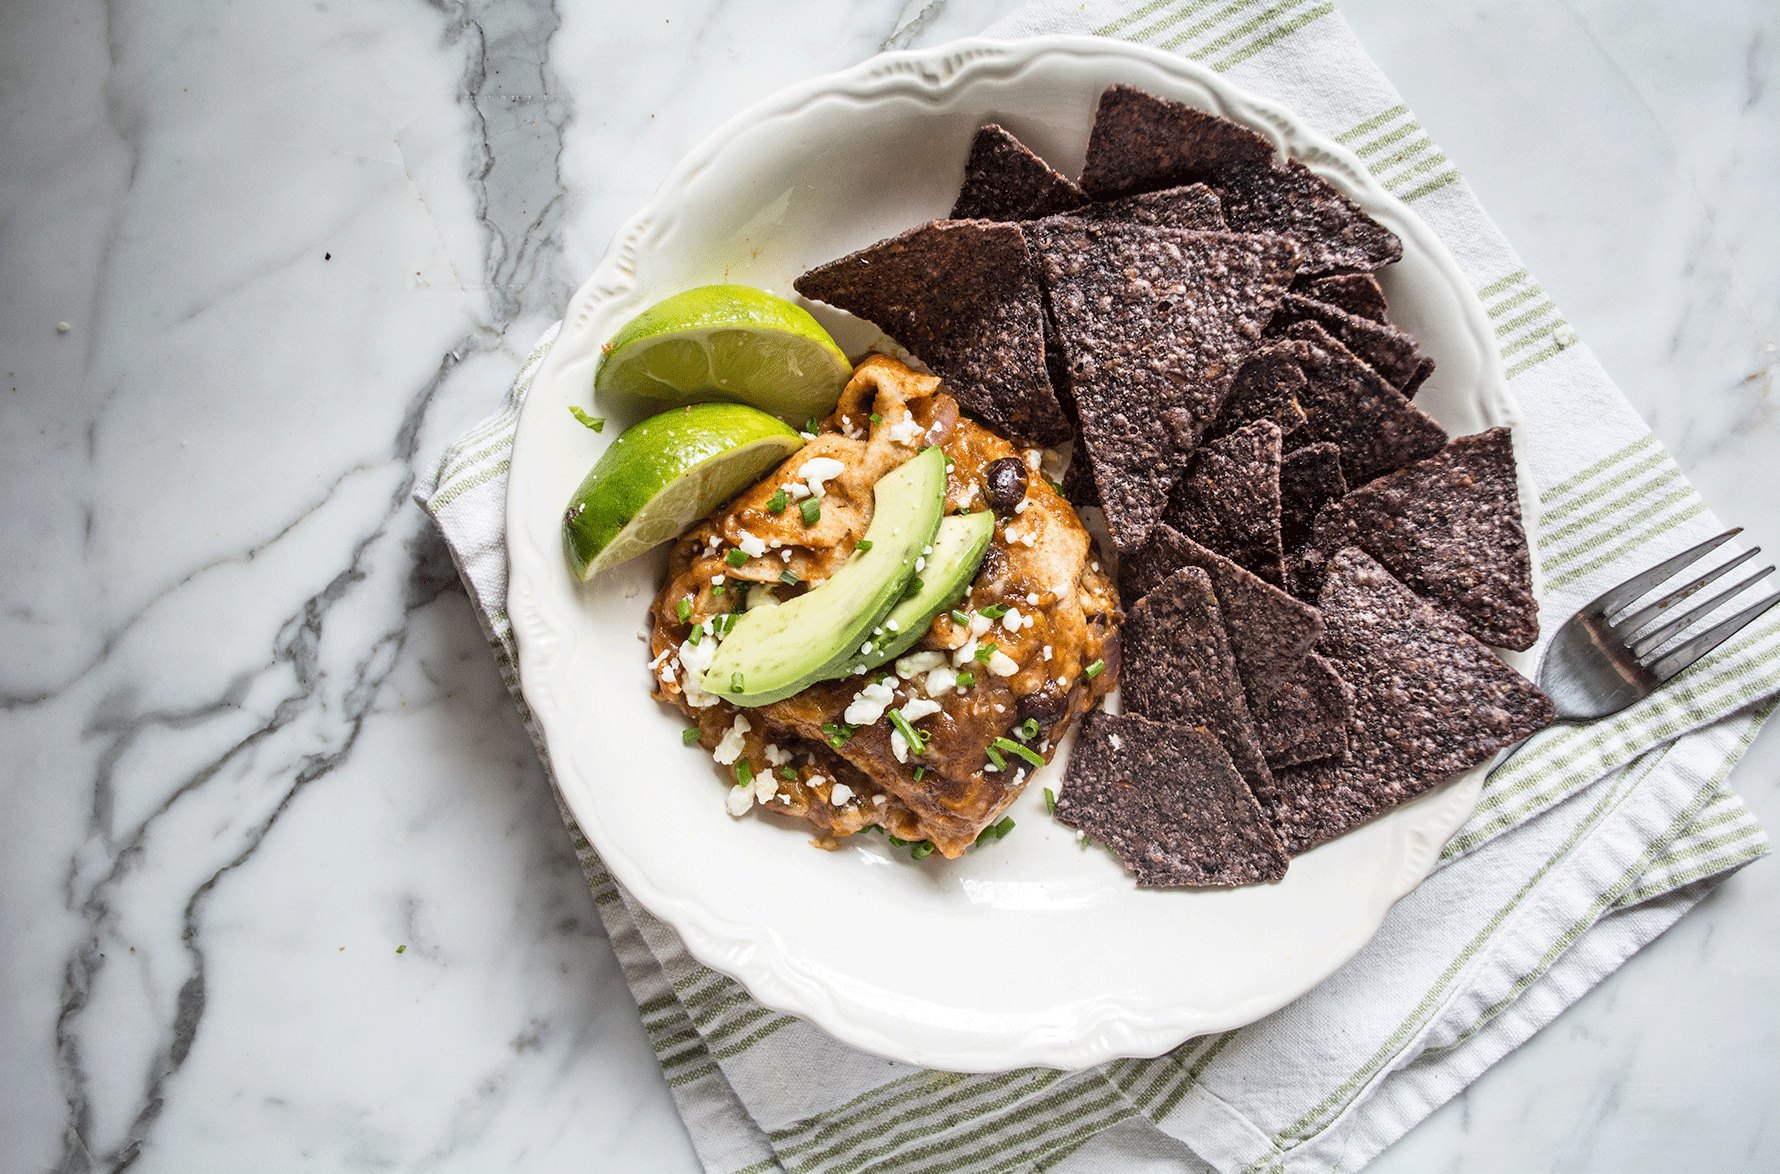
254	741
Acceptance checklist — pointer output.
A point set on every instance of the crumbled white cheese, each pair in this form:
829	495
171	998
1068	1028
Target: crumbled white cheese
899	746
1032	599
879	800
815	780
916	663
817	472
939	681
694	660
903	431
919	708
841	795
717	580
785	554
868	704
775	756
1063	681
739	800
1114	739
893	625
1047	652
920	564
1012	620
765	787
966	653
797	490
1020	506
980	623
749	545
730	748
1003	665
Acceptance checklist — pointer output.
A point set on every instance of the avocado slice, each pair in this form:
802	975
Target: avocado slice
958	548
774	652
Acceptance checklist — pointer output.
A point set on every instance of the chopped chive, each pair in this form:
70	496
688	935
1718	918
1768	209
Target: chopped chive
876	419
916	740
788	772
812	511
724	623
967	679
402	949
995	757
683	609
718	589
995	611
1057	485
897	842
1028	729
985	652
1014	748
959	617
838	735
698	633
864	545
949	461
922	850
777	502
597	423
996	830
744	772
1095	669
1050	801
736	557
735	682
689	736
809	425
919	771
789	578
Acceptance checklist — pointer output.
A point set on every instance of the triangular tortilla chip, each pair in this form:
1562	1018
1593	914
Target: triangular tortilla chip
1349	404
1154	324
1192	206
1177	667
1304	718
1309	479
1228	499
1004	180
1141	143
1357	293
1169	803
1449	527
1389	351
1429	702
1266	388
963	297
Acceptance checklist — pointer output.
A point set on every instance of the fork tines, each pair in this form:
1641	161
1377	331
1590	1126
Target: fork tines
1651	627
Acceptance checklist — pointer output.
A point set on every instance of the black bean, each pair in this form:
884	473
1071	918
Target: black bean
1004	484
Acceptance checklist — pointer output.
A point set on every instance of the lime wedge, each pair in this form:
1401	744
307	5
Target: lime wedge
729	341
665	473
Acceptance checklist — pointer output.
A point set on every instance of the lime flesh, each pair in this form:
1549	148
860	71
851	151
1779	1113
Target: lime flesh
665	473
728	341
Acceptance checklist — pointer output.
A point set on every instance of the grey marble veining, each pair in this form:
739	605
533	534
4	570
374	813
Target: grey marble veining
254	740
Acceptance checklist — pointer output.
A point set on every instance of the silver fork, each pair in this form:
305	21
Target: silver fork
1605	657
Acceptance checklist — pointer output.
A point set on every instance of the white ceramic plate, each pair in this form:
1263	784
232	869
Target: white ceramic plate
1034	950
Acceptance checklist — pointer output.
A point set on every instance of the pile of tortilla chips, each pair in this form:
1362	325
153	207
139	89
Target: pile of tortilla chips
1312	565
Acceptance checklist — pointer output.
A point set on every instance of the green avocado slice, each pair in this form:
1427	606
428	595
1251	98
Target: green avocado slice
774	652
958	548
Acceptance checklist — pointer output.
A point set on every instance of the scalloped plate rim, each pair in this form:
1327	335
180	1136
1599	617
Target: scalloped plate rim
759	956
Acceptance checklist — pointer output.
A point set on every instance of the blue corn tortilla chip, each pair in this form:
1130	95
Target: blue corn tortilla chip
961	295
1193	206
1350	405
1266	388
1228	499
1004	180
1429	701
1389	351
1357	293
1177	666
1309	479
1169	803
1304	717
1449	527
1140	143
1153	324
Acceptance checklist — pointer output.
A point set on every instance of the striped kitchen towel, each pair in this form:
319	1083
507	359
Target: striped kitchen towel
1586	844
